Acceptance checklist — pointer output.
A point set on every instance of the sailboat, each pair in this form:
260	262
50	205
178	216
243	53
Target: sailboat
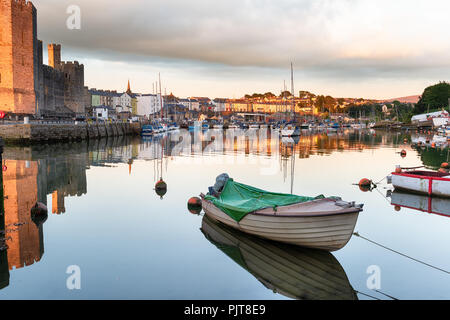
291	129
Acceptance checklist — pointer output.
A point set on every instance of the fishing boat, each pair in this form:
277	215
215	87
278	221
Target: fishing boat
319	223
423	203
147	130
218	126
253	126
432	183
294	272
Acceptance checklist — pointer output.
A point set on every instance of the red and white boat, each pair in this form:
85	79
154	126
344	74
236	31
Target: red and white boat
431	183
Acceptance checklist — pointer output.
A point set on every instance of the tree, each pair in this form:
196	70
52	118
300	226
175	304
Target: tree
433	98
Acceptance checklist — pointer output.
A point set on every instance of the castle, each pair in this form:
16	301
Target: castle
27	86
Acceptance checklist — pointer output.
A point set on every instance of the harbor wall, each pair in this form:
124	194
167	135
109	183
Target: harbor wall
37	133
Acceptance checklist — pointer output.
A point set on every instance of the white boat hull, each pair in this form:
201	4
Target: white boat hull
325	232
436	186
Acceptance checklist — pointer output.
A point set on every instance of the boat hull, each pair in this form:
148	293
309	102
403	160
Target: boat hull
430	185
321	231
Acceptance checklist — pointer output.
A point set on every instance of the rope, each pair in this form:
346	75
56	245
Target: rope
404	255
364	294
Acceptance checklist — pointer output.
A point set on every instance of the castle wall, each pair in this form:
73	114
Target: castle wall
74	86
17	94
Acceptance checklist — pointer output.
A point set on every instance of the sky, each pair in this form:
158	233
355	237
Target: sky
228	48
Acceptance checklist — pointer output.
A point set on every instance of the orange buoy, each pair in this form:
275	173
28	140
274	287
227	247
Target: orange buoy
365	185
445	165
433	145
195	205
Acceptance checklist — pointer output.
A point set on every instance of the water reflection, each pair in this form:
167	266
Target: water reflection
34	174
423	203
291	271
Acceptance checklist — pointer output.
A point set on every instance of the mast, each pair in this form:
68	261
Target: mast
293	95
160	97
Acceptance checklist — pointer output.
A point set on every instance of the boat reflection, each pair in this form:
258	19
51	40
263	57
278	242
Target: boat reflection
294	272
439	206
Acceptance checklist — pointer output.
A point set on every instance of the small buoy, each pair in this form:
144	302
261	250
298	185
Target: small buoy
433	145
445	165
365	185
397	208
39	213
403	153
195	205
161	188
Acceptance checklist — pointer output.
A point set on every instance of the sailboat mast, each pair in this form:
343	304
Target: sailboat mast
292	87
160	97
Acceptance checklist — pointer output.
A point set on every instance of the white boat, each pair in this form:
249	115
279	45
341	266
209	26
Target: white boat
254	126
325	224
290	130
431	183
294	272
218	126
233	126
263	126
427	204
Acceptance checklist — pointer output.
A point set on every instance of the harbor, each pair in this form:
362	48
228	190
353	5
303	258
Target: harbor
226	157
69	178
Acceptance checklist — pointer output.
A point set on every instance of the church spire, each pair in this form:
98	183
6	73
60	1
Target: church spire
128	88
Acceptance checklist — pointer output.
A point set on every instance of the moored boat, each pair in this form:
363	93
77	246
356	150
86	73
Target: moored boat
431	183
290	130
147	130
319	223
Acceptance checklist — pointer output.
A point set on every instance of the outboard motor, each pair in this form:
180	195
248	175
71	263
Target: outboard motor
221	181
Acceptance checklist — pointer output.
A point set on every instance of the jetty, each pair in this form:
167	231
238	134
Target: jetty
29	133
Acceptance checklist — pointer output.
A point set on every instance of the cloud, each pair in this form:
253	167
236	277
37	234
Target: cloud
340	39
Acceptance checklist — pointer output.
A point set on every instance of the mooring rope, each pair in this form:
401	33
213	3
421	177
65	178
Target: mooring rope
404	255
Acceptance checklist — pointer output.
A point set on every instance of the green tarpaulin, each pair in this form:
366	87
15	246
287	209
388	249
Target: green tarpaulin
237	199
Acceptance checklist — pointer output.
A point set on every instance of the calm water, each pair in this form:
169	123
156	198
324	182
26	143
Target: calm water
105	217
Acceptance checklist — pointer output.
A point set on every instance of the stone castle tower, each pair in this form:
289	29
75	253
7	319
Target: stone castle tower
19	61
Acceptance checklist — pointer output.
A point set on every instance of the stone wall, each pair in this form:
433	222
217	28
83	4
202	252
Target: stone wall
34	133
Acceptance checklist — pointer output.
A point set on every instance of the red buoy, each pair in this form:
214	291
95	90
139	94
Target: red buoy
195	205
445	165
365	185
403	153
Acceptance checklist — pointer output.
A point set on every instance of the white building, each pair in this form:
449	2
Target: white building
104	113
122	103
194	104
219	104
148	104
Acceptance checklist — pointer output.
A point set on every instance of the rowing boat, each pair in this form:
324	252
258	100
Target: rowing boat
294	272
319	223
431	183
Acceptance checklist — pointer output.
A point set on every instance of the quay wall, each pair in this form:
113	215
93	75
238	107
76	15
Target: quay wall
38	133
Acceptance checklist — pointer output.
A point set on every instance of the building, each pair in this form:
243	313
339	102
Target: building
27	86
104	113
148	105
